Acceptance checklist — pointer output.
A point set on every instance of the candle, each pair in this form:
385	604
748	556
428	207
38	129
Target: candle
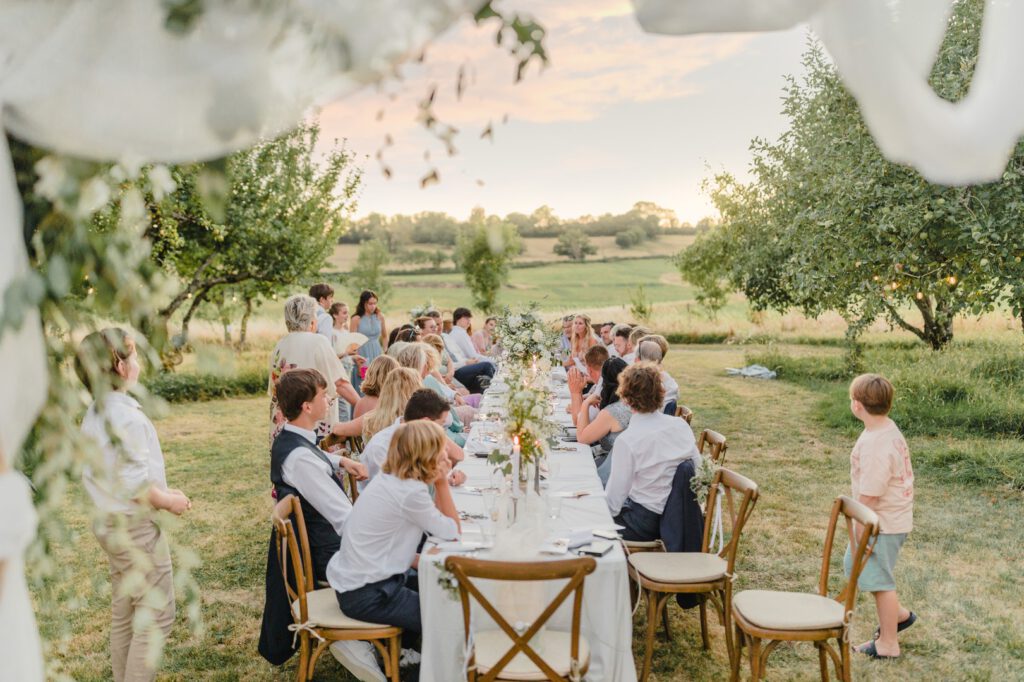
516	454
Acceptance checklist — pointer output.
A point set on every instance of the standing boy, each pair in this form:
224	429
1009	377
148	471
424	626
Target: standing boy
882	479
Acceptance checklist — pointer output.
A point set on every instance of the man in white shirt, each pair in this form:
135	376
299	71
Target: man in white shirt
645	456
652	349
324	295
620	339
593	360
472	370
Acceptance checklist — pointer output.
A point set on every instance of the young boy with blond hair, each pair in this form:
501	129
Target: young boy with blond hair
883	479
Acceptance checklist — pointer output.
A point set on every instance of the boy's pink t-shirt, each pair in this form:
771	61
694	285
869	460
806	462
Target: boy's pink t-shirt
880	467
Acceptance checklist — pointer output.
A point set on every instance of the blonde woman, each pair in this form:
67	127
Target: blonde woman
424	359
133	479
580	340
379	368
369	573
398	387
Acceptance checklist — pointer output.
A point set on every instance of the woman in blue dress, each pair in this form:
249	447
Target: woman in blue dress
368	321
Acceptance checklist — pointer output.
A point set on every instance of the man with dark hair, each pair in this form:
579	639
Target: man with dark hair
608	339
324	295
424	403
472	370
645	455
298	467
620	339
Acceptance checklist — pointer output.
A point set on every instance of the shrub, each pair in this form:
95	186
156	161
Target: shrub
188	387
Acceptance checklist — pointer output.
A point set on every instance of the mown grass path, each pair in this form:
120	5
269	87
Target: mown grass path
960	571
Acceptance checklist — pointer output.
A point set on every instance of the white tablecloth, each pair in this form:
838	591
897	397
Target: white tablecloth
606	620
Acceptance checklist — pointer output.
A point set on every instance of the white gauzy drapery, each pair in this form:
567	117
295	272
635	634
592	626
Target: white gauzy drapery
884	50
107	80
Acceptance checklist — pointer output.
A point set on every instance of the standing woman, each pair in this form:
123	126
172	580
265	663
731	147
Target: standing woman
369	322
131	480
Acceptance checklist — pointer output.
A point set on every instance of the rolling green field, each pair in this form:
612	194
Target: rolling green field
960	570
536	249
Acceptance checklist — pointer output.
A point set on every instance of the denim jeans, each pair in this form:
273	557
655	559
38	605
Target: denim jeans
392	601
641	524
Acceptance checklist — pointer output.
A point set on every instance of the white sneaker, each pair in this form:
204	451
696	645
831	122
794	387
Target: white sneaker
409	657
358	658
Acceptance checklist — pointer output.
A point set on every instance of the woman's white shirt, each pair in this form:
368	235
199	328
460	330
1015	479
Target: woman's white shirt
131	464
384	530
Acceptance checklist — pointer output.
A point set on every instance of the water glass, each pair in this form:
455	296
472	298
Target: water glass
554	506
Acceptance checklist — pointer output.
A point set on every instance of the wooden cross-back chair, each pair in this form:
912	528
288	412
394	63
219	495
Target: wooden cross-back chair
717	444
567	653
316	612
779	617
352	446
685	413
707	573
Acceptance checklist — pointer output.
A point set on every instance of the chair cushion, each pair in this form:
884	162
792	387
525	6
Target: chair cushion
788	610
551	645
679	567
324	612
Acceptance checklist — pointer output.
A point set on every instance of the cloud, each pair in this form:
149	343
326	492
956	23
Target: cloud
599	57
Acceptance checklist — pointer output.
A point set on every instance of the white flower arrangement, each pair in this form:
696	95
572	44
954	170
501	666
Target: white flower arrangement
526	340
420	311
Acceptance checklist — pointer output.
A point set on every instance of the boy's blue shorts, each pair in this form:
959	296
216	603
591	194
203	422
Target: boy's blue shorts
877	575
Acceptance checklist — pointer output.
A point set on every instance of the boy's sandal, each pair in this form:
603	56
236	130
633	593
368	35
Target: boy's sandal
872	651
901	626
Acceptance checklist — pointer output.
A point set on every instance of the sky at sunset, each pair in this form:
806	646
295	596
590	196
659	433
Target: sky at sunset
618	116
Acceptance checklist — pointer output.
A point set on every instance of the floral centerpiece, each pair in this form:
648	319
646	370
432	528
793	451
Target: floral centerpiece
420	311
526	341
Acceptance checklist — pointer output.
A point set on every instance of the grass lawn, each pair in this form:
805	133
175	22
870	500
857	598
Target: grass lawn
960	570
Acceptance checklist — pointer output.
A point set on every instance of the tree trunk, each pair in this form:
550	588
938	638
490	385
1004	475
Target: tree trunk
199	298
937	330
245	322
227	331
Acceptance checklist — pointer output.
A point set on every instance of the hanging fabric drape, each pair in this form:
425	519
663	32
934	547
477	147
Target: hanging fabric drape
108	80
884	51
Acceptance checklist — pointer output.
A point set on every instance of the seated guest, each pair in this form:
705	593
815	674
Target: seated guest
428	325
446	371
645	455
652	349
483	339
612	419
472	370
303	348
565	340
379	368
421	358
349	356
593	361
634	340
620	339
370	573
423	404
398	386
581	340
298	467
608	339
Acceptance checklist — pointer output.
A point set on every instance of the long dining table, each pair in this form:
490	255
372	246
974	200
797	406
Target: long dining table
606	617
